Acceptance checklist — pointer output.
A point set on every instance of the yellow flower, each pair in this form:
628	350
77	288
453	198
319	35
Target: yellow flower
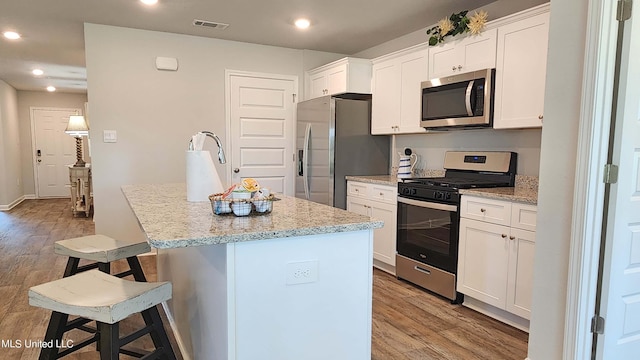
445	26
477	21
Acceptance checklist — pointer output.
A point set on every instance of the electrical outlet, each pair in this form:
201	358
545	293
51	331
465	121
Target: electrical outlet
302	272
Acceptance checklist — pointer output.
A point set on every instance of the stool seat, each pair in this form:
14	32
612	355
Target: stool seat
99	248
98	296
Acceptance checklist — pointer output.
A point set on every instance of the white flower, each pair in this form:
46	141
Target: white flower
477	22
445	26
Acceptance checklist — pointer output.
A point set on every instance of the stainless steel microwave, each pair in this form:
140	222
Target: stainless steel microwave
458	101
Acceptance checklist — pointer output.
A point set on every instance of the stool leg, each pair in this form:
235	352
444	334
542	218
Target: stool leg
109	338
72	267
135	266
104	267
160	339
55	330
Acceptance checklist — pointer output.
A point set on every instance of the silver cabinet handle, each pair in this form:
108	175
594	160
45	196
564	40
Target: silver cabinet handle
512	237
236	170
540	117
483	210
459	67
381	194
504	236
453	68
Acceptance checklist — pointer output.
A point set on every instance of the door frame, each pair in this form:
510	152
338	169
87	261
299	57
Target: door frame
32	110
228	73
588	204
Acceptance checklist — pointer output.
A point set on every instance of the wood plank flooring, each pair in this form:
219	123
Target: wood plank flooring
408	323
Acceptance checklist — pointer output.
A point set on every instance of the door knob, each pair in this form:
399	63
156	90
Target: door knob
236	170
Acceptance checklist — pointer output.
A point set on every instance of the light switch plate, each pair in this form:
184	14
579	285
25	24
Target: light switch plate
109	136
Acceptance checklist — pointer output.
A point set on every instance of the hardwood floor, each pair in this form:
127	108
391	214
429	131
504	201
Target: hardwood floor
408	323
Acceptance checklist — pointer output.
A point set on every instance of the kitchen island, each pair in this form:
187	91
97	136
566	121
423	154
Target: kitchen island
292	284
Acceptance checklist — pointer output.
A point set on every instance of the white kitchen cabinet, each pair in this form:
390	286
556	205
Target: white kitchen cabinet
496	253
471	53
379	202
521	67
396	90
344	75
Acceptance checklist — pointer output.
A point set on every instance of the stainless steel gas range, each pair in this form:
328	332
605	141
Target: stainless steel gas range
429	216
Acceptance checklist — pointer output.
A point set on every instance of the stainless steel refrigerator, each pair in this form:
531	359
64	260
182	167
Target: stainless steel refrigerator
333	140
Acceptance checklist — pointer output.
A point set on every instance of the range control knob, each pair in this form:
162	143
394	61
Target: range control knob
414	191
448	196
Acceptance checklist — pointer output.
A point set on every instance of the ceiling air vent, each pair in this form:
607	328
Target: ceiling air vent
210	24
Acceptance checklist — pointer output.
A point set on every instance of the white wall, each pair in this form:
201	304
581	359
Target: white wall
155	112
557	172
10	167
431	147
28	99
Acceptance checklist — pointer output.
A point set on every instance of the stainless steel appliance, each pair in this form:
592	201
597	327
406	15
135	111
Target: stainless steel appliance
463	100
429	215
334	140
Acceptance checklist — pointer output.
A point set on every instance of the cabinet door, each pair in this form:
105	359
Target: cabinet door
443	60
478	51
483	261
413	71
337	79
384	239
471	53
385	108
520	281
358	206
317	84
521	67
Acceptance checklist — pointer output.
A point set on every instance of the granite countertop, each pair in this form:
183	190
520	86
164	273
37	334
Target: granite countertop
170	221
390	180
519	194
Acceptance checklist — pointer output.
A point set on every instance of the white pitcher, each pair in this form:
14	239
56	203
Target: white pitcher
406	165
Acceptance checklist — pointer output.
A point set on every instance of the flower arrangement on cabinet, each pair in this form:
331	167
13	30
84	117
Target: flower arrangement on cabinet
457	24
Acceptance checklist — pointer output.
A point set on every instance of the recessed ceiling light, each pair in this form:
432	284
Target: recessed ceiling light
11	35
302	23
149	2
37	72
51	88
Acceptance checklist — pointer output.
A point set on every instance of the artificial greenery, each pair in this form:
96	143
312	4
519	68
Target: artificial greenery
454	25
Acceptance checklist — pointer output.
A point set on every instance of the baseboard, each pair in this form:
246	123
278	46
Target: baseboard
496	313
30	197
384	267
176	334
12	204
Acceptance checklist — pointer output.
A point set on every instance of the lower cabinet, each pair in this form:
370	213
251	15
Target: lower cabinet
379	202
495	261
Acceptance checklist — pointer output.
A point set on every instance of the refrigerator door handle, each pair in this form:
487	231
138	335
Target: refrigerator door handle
300	163
305	161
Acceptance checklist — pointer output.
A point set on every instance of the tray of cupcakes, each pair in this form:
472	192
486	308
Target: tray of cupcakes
243	199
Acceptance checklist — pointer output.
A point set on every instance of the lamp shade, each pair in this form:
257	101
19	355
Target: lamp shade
77	126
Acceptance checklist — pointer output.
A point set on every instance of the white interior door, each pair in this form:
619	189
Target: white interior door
53	151
620	304
261	115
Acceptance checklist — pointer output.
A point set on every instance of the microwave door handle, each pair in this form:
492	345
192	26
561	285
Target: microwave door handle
428	205
467	98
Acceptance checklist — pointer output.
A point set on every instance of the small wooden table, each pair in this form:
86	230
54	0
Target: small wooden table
80	179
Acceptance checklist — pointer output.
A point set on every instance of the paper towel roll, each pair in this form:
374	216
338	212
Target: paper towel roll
202	176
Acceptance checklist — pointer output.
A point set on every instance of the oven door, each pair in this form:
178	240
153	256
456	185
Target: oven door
428	232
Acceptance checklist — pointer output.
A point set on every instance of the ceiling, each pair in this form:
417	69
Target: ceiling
53	38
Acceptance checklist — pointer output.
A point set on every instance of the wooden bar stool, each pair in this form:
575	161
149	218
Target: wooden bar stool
102	250
107	300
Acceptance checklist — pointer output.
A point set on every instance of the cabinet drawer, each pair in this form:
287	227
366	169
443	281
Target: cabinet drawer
387	194
357	189
524	216
493	211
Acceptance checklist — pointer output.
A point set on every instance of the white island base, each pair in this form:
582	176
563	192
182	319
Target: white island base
239	300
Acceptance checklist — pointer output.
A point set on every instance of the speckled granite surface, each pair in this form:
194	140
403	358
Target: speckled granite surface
170	221
525	191
375	179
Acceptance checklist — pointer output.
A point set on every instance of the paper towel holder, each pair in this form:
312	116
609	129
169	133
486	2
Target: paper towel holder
221	156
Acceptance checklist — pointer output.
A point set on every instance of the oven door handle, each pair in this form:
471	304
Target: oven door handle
428	205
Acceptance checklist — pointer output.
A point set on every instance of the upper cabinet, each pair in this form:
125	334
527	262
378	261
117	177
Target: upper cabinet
395	86
474	52
521	67
344	75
